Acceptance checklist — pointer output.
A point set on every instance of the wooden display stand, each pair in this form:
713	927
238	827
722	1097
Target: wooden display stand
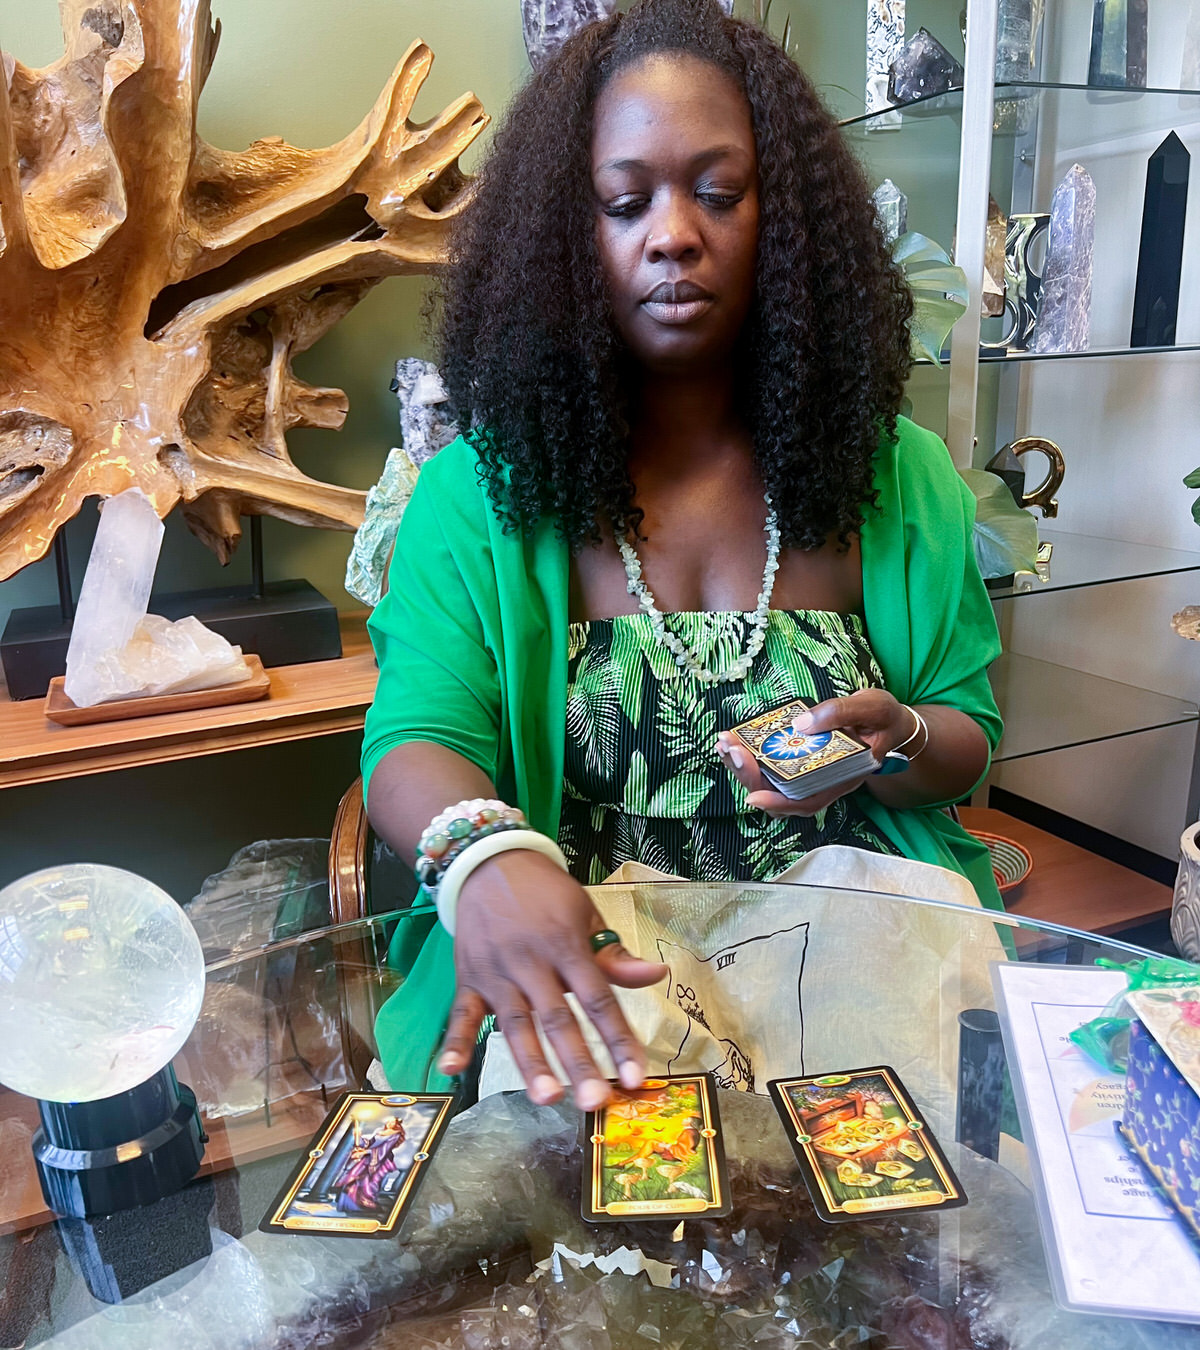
319	698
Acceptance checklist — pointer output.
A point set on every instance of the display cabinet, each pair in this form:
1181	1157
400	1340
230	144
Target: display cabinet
1095	688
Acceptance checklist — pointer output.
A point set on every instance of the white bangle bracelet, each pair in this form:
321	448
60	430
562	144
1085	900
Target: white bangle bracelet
479	852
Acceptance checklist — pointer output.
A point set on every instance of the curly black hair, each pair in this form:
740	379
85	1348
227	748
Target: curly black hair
529	351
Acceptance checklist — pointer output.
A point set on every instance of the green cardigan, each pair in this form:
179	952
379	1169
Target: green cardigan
471	640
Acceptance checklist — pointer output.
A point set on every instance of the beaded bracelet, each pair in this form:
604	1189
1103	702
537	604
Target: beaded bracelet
455	829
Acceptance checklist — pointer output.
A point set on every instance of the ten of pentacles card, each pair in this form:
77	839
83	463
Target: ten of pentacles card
863	1147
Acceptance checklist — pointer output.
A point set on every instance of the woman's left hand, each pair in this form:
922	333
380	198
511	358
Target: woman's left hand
872	715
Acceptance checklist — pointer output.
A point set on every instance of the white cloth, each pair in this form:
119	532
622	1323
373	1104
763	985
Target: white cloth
771	981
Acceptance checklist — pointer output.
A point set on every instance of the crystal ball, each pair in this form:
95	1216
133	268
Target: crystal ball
101	981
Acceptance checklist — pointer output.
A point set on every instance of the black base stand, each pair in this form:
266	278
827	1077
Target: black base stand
283	622
118	1152
121	1254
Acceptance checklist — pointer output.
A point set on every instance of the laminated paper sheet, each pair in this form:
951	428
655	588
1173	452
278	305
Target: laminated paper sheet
1112	1244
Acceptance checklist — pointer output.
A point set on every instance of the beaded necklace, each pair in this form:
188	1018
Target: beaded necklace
685	658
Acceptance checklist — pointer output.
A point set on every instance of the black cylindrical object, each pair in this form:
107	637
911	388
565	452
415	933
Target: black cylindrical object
119	1255
119	1152
982	1070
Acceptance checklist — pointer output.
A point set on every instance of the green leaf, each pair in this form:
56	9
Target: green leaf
939	291
1196	511
1006	537
1193	479
594	712
681	796
683	721
636	797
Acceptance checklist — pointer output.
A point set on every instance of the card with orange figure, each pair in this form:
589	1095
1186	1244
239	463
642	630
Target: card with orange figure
655	1152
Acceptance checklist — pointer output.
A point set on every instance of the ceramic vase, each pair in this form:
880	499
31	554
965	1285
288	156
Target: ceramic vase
1185	910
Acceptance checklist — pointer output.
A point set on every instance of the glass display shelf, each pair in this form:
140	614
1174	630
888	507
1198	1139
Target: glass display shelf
1007	357
1001	357
1087	113
1081	560
1082	122
1055	708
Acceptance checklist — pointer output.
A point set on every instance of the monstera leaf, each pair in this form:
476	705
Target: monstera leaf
1006	537
939	291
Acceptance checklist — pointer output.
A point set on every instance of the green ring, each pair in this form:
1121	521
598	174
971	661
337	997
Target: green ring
604	938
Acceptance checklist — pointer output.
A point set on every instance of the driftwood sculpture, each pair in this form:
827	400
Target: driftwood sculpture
154	289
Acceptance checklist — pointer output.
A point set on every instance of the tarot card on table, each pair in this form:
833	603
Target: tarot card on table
363	1168
800	765
862	1147
655	1152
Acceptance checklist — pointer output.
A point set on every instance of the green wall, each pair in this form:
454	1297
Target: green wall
308	70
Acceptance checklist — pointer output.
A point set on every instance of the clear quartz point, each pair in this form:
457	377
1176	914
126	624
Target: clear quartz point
117	650
1064	318
547	24
115	590
891	206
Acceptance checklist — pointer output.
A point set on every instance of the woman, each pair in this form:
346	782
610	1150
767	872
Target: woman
688	499
369	1164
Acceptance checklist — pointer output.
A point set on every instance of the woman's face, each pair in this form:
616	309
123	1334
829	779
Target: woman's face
676	180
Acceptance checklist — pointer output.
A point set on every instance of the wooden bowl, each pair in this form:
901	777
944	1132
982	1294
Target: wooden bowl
1011	862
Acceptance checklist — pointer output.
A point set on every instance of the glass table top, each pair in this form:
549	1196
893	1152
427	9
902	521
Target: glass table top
494	1251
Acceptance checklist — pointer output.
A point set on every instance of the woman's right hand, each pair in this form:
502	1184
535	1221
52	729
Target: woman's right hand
522	944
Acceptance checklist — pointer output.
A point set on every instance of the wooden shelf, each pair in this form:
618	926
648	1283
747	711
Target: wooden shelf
1071	886
320	698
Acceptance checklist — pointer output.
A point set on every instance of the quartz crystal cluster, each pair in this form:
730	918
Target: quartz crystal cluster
117	650
923	68
547	24
1064	315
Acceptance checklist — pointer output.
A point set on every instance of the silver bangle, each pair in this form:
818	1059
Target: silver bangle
922	726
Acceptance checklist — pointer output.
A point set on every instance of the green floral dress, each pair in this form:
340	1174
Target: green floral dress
642	780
